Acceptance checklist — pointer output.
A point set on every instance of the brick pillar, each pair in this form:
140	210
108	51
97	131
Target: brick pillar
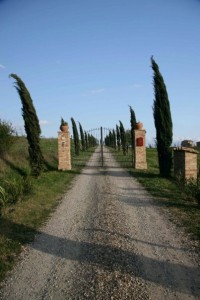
140	149
185	162
64	154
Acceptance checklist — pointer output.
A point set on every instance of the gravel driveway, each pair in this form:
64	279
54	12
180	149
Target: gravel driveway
106	240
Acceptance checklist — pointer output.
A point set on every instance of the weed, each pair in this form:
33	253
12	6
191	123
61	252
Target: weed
189	188
16	187
2	197
7	133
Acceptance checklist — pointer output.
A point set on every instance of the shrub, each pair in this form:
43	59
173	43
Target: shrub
7	133
2	197
16	187
190	188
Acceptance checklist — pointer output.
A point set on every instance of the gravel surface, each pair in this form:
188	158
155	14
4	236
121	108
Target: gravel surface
106	240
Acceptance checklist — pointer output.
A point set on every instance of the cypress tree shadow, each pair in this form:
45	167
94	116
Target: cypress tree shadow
179	276
15	168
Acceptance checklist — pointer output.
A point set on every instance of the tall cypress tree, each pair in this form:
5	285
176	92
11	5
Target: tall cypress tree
163	122
123	137
114	139
76	137
86	140
110	138
82	137
32	127
133	122
118	137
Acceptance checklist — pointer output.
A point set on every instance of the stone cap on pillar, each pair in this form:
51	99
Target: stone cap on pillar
186	149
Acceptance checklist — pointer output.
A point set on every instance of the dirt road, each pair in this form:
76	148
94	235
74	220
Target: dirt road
106	240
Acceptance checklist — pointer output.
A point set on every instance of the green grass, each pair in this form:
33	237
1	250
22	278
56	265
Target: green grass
184	211
20	221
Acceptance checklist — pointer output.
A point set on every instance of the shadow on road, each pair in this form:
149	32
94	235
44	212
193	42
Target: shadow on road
113	259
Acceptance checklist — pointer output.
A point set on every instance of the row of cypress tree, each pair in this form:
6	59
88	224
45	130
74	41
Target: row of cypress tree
162	120
117	139
85	141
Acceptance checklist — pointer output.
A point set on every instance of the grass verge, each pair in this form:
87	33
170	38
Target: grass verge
20	221
185	211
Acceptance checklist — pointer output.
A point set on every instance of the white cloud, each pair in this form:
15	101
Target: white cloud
44	122
93	92
2	66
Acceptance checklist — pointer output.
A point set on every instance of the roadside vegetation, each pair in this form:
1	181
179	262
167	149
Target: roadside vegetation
30	183
26	201
180	198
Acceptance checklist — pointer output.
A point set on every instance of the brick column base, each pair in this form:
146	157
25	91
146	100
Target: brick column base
185	162
64	154
140	149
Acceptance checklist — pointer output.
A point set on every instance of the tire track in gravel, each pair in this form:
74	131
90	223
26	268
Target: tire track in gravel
106	240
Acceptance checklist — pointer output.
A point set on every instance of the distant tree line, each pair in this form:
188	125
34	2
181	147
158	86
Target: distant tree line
85	141
119	138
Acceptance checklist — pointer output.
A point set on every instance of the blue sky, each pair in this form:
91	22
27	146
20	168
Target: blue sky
90	60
